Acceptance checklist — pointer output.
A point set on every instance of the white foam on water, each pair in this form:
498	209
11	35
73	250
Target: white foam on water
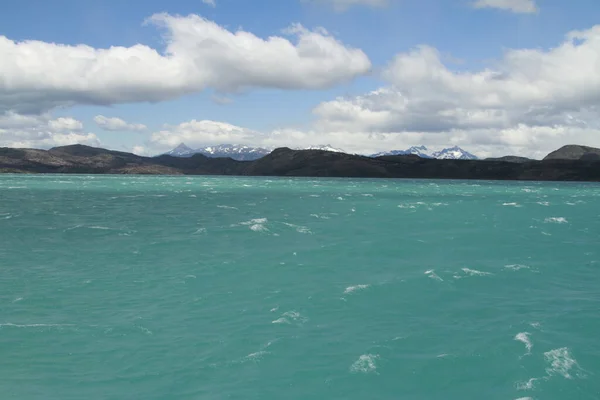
557	220
255	221
299	228
530	384
365	364
474	272
280	321
561	362
543	203
314	195
351	289
535	325
193	195
431	274
190	276
34	325
525	398
406	206
199	230
257	356
523	337
17	299
367	195
511	204
258	228
274	309
227	207
516	267
145	330
546	234
340	198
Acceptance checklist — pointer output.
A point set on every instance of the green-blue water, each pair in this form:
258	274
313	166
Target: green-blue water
131	287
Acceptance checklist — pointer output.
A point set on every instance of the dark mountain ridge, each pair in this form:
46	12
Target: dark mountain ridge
288	162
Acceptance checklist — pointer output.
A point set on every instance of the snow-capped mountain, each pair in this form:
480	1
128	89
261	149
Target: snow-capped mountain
235	151
420	151
454	153
325	147
451	153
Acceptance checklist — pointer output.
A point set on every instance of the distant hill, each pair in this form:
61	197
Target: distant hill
287	162
575	152
513	159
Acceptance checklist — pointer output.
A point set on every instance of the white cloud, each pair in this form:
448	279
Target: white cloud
41	131
211	3
532	100
117	124
201	133
65	124
343	5
39	76
516	6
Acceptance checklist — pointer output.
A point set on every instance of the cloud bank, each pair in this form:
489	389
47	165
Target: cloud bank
39	76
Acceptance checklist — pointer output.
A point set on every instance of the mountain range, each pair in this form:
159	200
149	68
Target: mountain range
569	163
235	151
247	153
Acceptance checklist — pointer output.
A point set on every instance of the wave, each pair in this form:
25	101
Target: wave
530	384
561	362
351	289
8	324
290	316
365	364
512	205
556	220
516	267
474	272
431	274
523	337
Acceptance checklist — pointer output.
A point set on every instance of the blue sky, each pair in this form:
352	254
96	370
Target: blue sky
467	40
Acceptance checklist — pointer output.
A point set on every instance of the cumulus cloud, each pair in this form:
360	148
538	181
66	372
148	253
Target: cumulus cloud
41	131
117	124
516	6
39	76
531	98
343	5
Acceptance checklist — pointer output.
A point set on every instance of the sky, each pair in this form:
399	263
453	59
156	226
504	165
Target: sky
495	77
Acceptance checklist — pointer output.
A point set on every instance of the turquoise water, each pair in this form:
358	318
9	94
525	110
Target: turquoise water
134	287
